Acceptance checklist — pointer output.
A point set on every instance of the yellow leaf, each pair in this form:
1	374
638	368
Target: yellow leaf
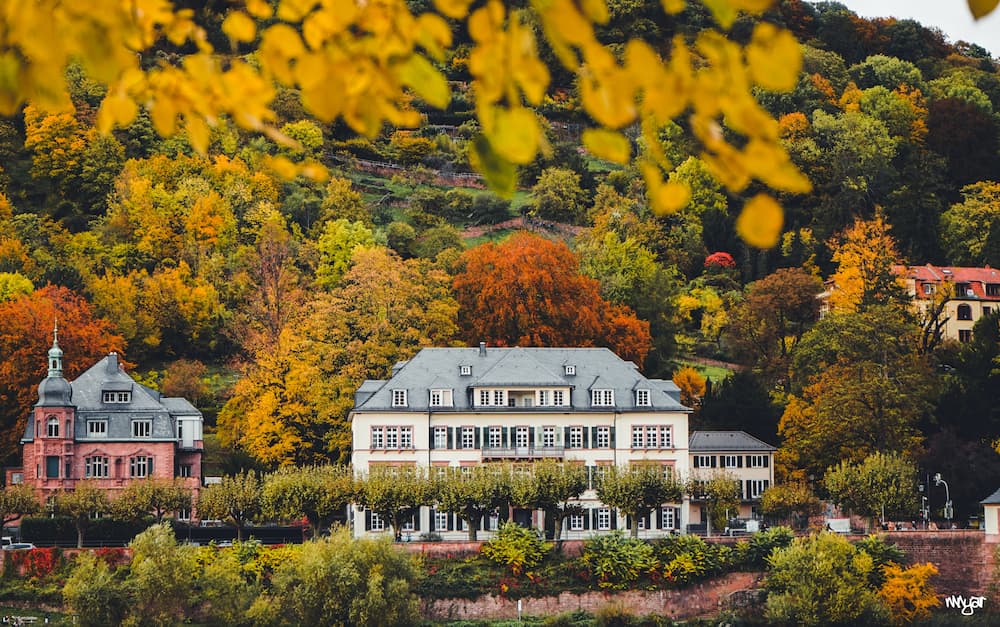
670	198
425	80
760	222
753	6
239	27
281	166
434	34
455	9
117	109
596	10
500	174
981	8
723	11
260	9
294	10
515	135
607	145
774	58
673	7
197	133
568	23
607	102
162	113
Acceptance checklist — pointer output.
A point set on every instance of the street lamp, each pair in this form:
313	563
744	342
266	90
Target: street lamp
947	495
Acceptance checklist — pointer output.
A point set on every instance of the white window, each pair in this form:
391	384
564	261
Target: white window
399	398
638	437
377	523
407	525
642	398
406	437
521	437
642	523
493	522
558	398
440	521
544	397
378	437
929	288
548	437
669	522
440	437
576	437
603	519
730	461
603	437
465	370
183	514
468	437
496	437
140	466
757	461
703	461
441	398
576	522
97	428
756	487
392	437
96	467
116	397
52	427
142	428
499	397
184	470
484	397
602	398
570	370
666	436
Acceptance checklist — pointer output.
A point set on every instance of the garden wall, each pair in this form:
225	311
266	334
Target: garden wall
964	559
702	599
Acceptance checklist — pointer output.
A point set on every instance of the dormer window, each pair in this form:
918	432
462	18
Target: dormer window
642	398
441	398
465	370
399	398
569	370
142	428
117	397
602	398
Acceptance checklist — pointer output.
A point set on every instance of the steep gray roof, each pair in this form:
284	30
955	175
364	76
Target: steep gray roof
726	441
993	499
517	367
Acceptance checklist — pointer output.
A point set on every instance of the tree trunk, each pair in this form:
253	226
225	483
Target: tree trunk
473	522
239	531
634	527
557	522
79	535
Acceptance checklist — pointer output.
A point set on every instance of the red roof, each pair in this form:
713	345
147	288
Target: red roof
976	279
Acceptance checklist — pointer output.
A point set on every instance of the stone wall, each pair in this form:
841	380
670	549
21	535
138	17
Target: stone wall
964	559
699	600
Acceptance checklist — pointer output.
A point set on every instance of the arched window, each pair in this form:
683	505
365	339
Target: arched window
52	427
964	312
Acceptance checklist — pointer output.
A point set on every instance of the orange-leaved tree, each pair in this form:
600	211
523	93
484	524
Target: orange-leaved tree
528	291
25	337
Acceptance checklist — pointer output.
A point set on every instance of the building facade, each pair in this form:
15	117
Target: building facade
468	406
106	427
970	294
737	455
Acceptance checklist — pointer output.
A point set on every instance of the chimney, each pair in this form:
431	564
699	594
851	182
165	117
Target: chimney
482	349
112	363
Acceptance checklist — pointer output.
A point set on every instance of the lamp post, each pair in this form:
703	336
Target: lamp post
947	495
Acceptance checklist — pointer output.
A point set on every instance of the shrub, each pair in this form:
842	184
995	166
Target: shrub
616	561
756	550
94	594
516	547
613	615
882	553
686	559
908	593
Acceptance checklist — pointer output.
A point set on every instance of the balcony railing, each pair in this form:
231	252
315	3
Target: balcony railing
523	452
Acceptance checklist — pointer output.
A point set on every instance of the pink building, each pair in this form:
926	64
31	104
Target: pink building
106	427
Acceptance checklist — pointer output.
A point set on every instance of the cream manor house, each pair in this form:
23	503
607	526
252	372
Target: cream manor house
467	406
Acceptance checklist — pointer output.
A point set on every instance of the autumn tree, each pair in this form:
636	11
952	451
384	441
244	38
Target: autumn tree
720	495
692	386
971	228
880	486
153	495
557	196
908	592
791	501
336	246
395	494
185	378
236	499
552	487
473	493
865	254
16	501
637	490
292	403
316	493
82	505
527	291
25	337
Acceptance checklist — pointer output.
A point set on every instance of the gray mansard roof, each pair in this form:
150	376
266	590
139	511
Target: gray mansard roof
145	404
726	441
516	368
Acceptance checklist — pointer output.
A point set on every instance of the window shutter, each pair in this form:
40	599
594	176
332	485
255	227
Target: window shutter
149	471
565	436
766	460
505	437
368	520
416	521
431	434
767	483
677	518
593	437
504	515
451	522
451	437
628	522
586	438
531	436
614	442
586	519
696	458
659	518
712	460
748	490
739	461
614	519
434	520
592	515
476	436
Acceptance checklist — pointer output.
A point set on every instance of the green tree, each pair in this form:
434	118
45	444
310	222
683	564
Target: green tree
637	490
883	485
161	579
971	229
336	246
792	501
395	494
552	487
81	505
13	284
720	494
474	494
95	595
342	581
236	499
343	202
822	580
317	493
153	495
557	196
16	501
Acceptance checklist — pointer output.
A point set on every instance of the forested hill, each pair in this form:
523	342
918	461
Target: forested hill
267	300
